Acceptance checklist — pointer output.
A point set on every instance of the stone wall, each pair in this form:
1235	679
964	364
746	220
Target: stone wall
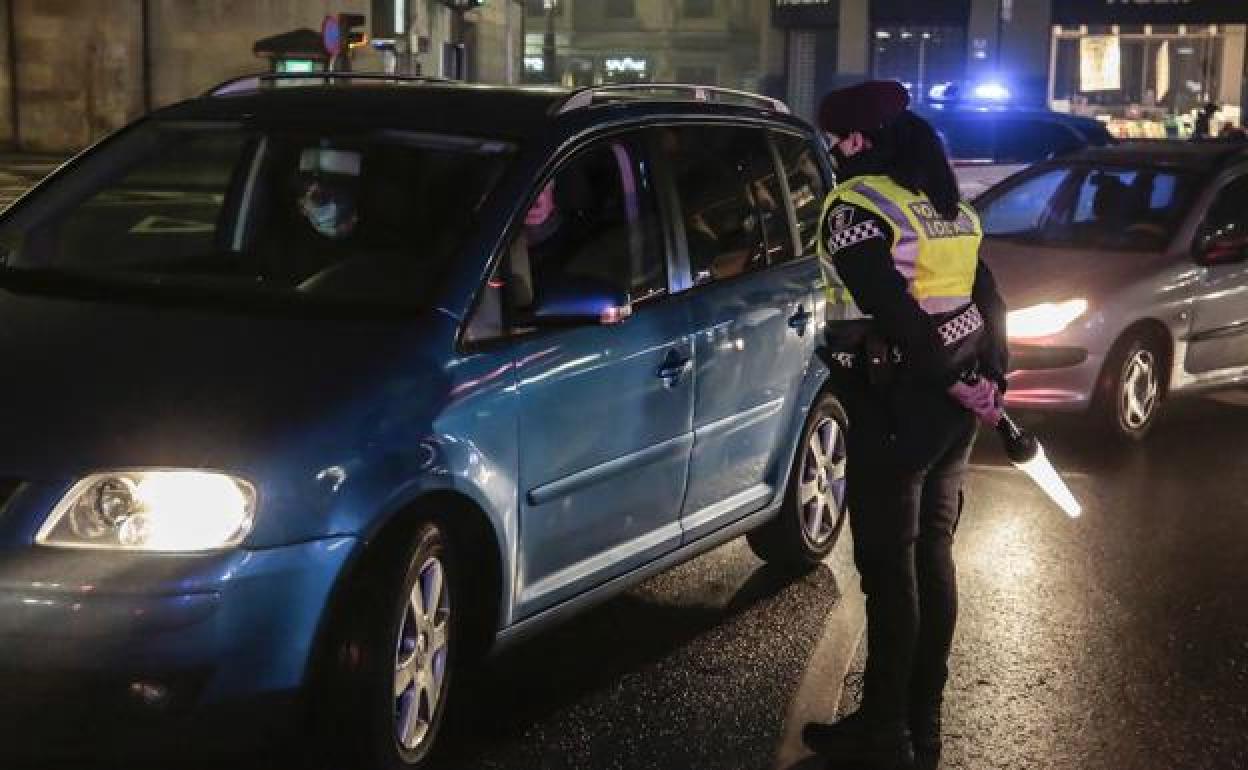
198	44
80	63
79	73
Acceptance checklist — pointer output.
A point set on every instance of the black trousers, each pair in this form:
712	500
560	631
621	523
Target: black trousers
908	447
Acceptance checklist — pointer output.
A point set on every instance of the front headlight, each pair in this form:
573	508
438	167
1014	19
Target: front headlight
1045	319
153	511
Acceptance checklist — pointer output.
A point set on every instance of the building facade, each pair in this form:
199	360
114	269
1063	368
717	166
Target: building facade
71	71
594	42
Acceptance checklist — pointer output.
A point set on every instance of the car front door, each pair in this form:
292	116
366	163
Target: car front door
752	306
605	411
1219	338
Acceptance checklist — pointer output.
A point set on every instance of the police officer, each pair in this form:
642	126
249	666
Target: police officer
925	359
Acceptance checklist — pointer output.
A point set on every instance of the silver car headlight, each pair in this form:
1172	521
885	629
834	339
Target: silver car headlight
1045	319
165	510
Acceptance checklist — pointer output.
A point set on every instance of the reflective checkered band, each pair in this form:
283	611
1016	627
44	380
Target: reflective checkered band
961	326
858	233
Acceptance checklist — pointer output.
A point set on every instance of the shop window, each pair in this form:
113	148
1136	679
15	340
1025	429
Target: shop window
620	9
919	56
698	9
807	187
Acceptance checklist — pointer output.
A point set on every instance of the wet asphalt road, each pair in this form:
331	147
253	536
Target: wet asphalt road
1119	640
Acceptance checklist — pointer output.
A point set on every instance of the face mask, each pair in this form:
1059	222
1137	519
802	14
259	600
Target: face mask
323	218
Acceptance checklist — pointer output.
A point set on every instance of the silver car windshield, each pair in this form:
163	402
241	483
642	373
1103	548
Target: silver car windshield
1091	207
225	209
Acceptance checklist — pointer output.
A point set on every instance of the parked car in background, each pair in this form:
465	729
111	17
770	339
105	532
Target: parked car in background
316	392
989	141
1126	271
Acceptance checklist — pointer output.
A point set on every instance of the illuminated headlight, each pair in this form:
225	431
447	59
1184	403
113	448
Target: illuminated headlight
153	511
1045	319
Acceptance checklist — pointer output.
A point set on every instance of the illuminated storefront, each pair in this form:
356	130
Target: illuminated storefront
1148	68
919	44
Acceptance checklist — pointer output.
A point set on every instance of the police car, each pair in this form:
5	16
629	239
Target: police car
990	139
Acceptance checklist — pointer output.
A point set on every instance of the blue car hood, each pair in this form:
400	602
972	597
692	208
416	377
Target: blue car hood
90	385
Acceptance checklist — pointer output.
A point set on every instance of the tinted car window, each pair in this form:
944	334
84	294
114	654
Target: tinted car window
594	222
364	217
1021	209
968	139
1028	141
806	187
729	199
1132	209
1228	216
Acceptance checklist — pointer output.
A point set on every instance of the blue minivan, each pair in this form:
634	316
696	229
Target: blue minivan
315	389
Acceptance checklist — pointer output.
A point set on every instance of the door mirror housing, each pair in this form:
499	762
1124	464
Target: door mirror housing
1223	249
581	302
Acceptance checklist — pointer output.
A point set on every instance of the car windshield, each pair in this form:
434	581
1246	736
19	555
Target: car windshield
335	216
1100	207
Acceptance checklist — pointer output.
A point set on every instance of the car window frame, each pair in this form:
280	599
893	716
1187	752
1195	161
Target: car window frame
1202	205
675	211
555	161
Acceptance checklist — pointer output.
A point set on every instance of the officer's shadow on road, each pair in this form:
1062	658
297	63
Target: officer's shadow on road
528	684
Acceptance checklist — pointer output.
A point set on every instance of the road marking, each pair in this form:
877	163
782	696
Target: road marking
1012	469
156	225
818	695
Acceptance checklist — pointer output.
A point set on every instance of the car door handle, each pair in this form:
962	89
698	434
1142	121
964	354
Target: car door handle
673	368
800	320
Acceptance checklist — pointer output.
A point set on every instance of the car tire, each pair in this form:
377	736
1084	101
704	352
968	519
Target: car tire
814	509
1131	389
396	656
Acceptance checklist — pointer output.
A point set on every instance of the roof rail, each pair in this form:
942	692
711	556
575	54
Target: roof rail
254	82
586	97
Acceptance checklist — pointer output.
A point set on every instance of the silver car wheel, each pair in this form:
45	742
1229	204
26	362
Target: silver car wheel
1140	388
421	655
821	490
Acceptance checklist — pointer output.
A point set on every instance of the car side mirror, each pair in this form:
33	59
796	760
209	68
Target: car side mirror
580	302
1223	249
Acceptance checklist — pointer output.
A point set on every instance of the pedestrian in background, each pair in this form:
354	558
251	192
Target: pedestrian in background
925	359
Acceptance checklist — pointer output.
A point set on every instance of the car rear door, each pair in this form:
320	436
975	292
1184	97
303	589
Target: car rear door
1219	338
752	307
605	412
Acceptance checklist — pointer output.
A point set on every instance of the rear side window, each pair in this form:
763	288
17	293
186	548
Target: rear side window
807	187
733	210
1028	141
969	140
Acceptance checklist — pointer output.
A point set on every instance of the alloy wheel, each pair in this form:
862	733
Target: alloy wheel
1141	387
421	656
821	490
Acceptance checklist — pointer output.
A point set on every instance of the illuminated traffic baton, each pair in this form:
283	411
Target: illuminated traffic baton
1028	456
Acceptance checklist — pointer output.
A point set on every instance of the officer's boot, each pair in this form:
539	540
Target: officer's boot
925	730
863	741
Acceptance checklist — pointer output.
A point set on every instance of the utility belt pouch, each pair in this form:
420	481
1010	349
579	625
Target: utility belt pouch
880	363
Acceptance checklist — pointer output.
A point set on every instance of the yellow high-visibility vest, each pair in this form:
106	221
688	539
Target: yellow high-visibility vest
936	256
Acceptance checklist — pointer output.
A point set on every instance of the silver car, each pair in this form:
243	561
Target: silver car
1126	271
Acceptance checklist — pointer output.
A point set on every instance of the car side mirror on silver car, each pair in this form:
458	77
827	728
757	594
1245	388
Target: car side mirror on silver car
1223	249
580	301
